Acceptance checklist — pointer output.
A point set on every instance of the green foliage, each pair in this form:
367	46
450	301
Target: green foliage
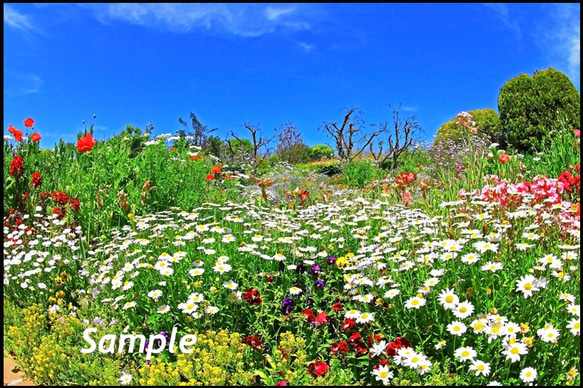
413	160
486	127
319	152
531	106
358	174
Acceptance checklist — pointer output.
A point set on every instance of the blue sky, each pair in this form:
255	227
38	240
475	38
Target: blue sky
269	64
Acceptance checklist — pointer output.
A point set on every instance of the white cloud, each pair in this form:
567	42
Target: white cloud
503	13
14	19
21	84
562	38
246	20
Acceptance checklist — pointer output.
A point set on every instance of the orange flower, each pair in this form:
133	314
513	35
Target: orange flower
29	123
216	169
86	143
210	177
504	158
35	137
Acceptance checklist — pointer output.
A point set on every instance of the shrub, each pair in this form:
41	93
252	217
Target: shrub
358	174
531	106
486	124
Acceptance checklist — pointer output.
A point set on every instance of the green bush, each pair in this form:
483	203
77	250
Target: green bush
319	152
486	120
359	174
531	106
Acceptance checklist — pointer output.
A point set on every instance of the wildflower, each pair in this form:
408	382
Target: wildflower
319	284
318	368
35	137
211	310
348	324
548	333
163	309
16	132
392	293
382	373
465	353
448	299
456	328
415	302
492	266
423	366
231	285
365	318
481	367
527	284
339	347
352	314
504	158
86	143
574	326
36	180
125	378
470	258
128	305
222	268
16	166
463	310
252	296
29	123
514	350
378	348
528	375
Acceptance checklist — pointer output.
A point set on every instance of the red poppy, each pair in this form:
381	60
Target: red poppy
36	180
504	158
216	169
16	166
210	177
318	368
28	123
16	132
86	143
35	137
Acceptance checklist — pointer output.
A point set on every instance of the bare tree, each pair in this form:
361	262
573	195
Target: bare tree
399	141
291	147
258	142
347	147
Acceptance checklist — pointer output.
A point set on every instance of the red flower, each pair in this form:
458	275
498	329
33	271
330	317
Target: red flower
35	137
504	158
318	368
36	180
310	315
339	347
28	123
74	203
252	296
59	211
348	324
210	177
86	143
16	166
25	196
61	198
282	383
337	306
577	132
216	169
253	341
322	318
16	132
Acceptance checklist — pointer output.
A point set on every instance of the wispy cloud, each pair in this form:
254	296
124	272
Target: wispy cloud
247	20
503	13
562	39
18	84
16	20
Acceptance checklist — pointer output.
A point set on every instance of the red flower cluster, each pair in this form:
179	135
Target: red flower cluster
86	143
397	343
36	180
15	132
570	181
321	319
318	367
339	347
61	199
253	341
504	158
252	297
405	178
16	166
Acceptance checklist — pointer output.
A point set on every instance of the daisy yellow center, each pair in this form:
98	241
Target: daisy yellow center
463	309
514	350
415	359
576	325
480	367
550	335
457	328
449	299
384	375
528	286
364	316
465	353
415	302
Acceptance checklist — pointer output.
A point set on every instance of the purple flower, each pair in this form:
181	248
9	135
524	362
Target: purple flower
287	306
331	260
315	270
319	284
300	268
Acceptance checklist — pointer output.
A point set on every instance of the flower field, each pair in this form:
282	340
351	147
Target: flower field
455	276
